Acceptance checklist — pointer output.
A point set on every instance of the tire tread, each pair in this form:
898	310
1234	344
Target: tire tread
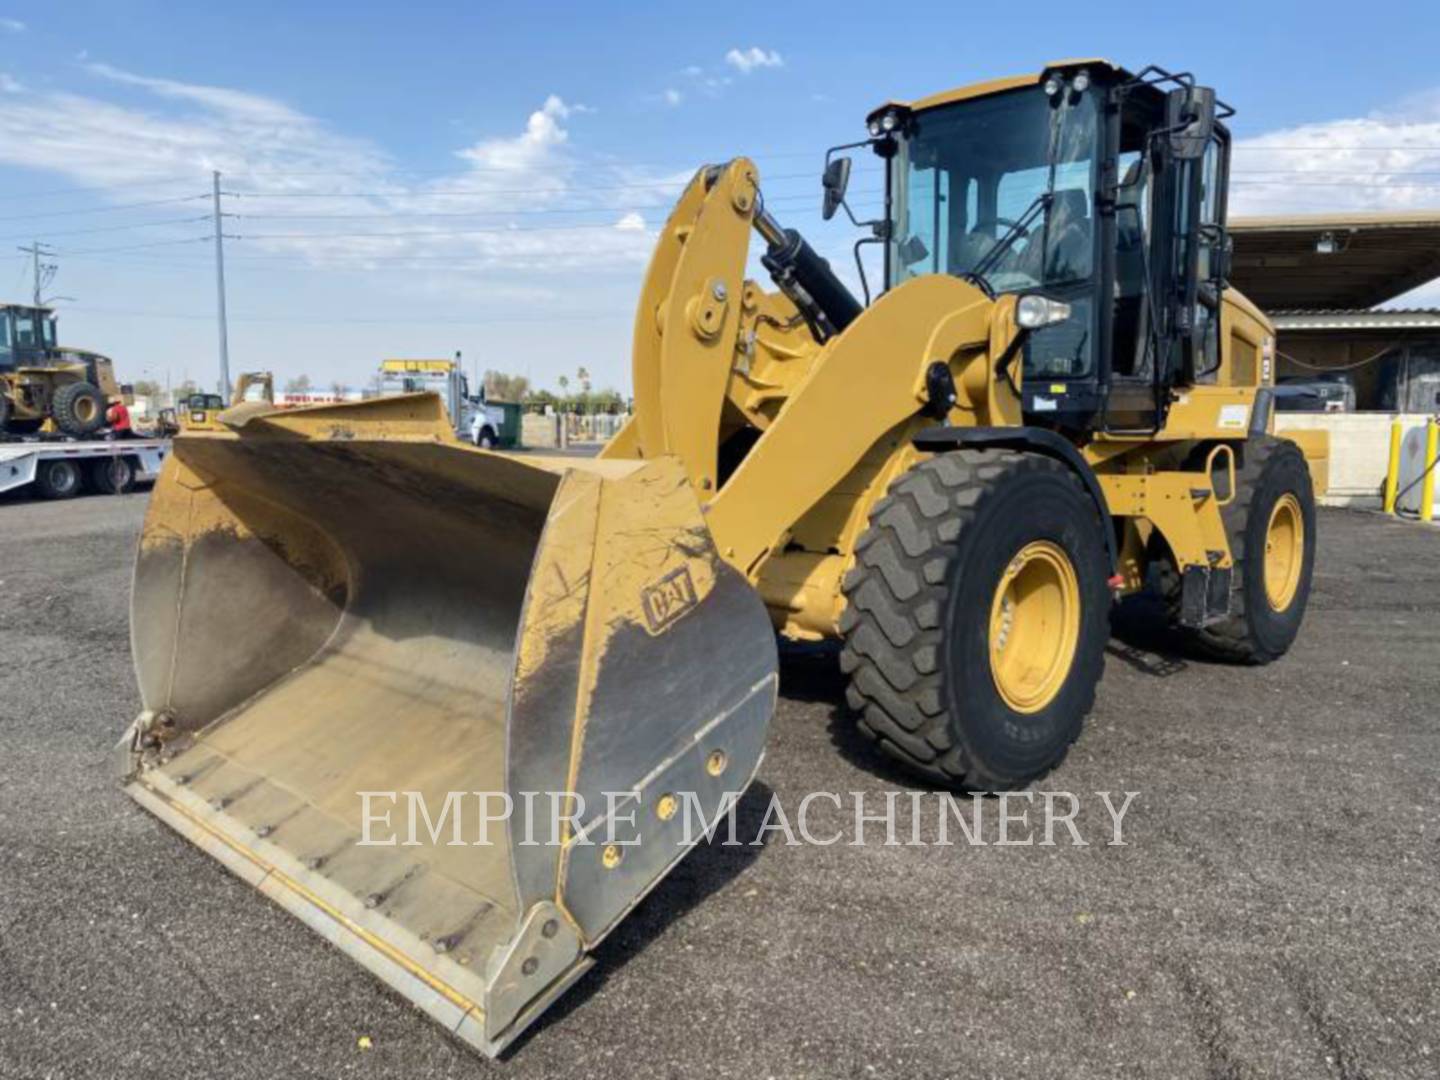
892	625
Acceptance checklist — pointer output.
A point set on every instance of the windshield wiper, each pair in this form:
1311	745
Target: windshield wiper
1020	227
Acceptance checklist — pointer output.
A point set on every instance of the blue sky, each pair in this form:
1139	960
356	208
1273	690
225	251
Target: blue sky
416	179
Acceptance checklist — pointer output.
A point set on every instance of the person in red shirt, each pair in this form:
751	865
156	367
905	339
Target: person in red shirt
117	417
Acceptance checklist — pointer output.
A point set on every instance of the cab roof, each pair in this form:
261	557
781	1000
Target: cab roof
996	86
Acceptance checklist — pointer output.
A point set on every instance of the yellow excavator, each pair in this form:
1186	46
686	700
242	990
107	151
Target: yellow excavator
343	615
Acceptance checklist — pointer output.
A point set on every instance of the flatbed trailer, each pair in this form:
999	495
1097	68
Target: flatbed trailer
60	468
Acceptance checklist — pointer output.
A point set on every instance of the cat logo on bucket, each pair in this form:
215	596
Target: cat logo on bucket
668	599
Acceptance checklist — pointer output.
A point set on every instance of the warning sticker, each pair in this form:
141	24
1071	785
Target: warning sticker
1234	416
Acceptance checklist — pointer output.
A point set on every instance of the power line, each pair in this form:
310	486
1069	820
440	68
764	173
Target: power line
406	318
134	247
1248	148
102	209
1242	146
487	193
1372	184
102	187
117	228
432	234
1356	171
759	155
405	214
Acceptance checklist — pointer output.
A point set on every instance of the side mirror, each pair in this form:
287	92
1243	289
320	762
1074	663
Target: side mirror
835	180
1189	121
1225	257
912	251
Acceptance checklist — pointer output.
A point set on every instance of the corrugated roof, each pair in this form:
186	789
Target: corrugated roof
1355	311
1376	257
1397	219
1353	319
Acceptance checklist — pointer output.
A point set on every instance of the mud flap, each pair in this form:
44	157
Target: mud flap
346	600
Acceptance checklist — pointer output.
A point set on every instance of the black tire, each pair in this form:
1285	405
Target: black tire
78	409
58	479
917	621
24	427
486	439
111	475
1266	470
5	410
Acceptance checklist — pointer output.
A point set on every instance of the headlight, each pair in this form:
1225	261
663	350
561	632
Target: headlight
1081	82
1033	312
1053	85
883	123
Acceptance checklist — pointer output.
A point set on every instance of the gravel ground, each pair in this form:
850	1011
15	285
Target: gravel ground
1275	911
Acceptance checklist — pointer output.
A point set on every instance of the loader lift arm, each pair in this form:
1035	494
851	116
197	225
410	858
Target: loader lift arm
695	345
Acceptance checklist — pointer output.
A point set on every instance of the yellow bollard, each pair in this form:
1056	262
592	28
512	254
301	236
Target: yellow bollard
1428	464
1392	471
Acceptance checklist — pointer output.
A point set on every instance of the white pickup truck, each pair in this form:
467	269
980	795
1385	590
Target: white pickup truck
62	468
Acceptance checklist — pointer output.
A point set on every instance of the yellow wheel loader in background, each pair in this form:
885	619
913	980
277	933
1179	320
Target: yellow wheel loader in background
342	613
201	411
42	382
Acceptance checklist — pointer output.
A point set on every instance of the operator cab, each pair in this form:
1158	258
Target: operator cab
1097	193
200	410
27	335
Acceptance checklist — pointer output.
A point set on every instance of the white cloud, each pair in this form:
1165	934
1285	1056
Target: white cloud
747	60
713	85
95	141
1386	160
527	201
672	96
542	135
235	103
12	26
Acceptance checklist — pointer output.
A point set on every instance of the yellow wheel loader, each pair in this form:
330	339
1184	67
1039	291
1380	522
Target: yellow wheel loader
201	411
44	383
460	710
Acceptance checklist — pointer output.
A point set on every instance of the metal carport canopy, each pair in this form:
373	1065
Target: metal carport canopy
1376	257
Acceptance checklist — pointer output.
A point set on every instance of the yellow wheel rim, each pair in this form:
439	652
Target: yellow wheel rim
1284	552
85	409
1034	626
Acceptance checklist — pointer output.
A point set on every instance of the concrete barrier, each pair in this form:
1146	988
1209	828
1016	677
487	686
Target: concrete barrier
1359	451
540	431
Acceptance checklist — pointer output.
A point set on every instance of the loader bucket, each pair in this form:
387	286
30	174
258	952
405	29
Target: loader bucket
356	638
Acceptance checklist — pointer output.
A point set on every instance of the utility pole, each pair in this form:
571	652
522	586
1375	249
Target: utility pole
42	270
220	294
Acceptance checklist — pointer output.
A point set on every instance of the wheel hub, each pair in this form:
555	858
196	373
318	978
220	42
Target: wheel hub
1034	626
1284	552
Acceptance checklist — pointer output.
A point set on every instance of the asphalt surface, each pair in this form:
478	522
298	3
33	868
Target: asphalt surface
1274	913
